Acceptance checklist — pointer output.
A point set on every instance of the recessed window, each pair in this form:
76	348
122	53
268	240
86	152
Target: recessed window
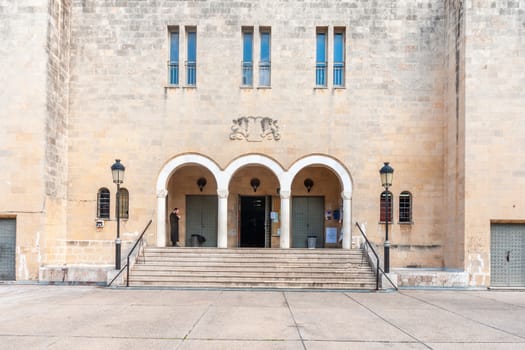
339	57
265	58
173	63
191	56
385	206
405	207
124	203
321	57
103	198
247	56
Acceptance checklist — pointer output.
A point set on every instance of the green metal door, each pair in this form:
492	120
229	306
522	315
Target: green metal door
7	249
307	221
507	255
201	219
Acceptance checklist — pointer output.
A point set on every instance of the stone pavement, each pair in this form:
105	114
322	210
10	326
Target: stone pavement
79	317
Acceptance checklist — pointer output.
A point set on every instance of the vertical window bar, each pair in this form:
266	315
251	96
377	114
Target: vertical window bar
320	62
265	61
247	57
191	63
173	64
339	59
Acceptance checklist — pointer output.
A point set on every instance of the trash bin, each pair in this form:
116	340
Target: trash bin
197	240
312	242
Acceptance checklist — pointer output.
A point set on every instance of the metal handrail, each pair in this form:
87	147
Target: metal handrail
378	268
129	254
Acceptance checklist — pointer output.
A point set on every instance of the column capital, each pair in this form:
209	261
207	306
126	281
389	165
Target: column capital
285	194
346	195
223	193
162	193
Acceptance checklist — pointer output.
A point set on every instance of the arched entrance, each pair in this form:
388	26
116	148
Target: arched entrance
316	208
293	180
254	196
254	182
277	185
193	190
177	181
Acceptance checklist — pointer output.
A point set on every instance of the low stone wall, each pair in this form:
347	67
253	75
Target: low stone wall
73	274
430	278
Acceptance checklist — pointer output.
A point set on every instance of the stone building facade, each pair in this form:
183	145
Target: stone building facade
432	86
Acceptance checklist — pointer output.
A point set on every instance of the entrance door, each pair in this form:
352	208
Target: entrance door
507	255
253	221
307	221
201	219
7	249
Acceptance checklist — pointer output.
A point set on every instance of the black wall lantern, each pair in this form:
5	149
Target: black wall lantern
255	182
201	182
308	183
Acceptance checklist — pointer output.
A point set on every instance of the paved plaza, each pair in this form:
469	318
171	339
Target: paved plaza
80	317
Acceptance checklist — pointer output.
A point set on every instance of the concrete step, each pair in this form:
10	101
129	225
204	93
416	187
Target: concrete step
251	274
257	268
253	268
266	284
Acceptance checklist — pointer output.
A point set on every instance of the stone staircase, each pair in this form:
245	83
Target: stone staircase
253	268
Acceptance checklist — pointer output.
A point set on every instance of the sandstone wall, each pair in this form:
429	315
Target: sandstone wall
495	127
391	108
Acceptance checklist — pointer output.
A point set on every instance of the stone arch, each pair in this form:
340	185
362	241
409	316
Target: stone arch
346	184
185	159
253	159
318	159
162	181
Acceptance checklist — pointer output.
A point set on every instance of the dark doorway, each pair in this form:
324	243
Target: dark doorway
253	222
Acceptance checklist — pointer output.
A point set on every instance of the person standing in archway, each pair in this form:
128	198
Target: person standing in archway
174	225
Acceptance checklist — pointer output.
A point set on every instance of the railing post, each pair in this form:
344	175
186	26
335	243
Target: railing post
127	272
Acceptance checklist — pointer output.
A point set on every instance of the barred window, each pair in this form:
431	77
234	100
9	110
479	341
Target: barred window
173	63
124	203
247	56
339	57
103	198
385	205
405	207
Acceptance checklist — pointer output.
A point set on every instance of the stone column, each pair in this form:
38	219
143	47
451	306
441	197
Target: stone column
222	218
161	218
347	219
285	219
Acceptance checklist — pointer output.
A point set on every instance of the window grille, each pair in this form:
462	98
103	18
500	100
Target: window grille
405	207
103	199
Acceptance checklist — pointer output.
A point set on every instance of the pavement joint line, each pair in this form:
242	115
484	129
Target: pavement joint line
501	302
198	320
296	325
462	316
387	321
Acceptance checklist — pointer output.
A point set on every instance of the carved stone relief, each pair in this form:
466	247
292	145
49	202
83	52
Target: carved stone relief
255	129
